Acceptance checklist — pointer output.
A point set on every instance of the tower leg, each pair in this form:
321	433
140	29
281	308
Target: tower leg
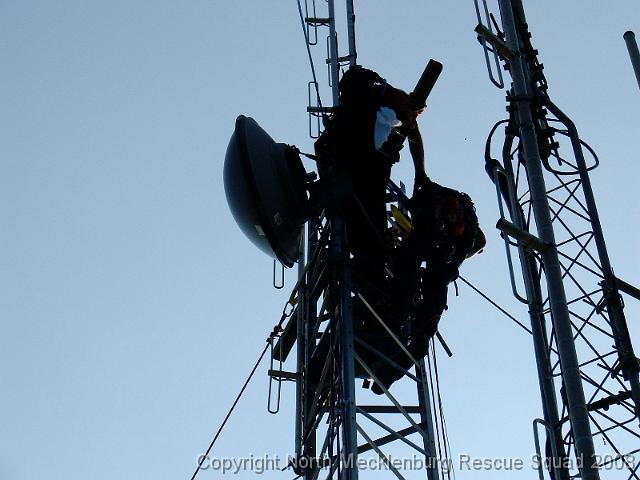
345	331
426	417
566	348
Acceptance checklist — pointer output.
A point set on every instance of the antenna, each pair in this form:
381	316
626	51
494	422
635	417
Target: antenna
265	184
588	372
634	54
272	197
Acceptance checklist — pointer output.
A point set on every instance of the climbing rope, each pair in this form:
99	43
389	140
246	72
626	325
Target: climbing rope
277	330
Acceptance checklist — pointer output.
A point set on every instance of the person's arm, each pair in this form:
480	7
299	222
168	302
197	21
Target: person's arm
416	148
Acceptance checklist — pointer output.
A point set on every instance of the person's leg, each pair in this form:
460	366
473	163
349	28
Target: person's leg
366	217
435	281
434	288
404	286
404	290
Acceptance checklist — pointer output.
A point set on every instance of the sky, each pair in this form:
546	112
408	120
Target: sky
131	306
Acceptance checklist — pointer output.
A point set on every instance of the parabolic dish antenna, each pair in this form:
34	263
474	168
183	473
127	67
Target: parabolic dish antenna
265	184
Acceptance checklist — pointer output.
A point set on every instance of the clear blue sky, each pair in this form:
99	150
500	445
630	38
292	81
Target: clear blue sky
131	306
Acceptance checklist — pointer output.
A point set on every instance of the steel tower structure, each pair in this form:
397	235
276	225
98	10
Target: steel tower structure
588	372
334	426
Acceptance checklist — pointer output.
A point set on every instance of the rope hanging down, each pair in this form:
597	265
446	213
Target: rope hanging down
276	332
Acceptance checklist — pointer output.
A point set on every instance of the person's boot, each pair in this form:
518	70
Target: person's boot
387	375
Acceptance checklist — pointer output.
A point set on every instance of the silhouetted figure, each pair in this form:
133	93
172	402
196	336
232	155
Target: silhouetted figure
364	138
445	233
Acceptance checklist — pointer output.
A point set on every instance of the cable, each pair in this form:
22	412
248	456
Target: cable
255	367
432	394
443	423
486	297
274	333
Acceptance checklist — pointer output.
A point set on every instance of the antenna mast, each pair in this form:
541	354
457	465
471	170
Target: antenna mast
331	417
589	388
